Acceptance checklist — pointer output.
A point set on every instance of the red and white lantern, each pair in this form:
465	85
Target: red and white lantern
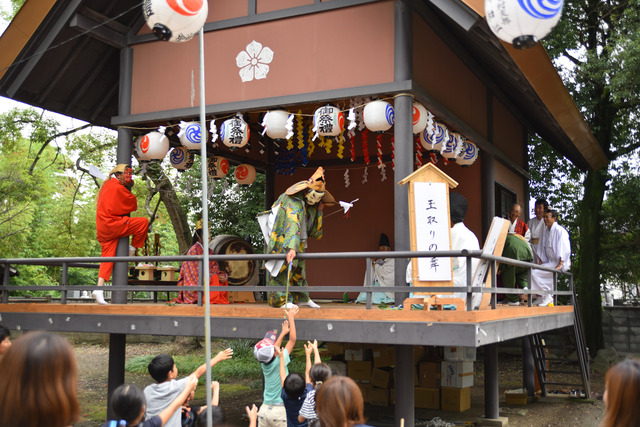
245	174
217	167
152	146
275	124
420	117
175	20
328	121
190	135
378	116
181	158
468	155
234	133
436	140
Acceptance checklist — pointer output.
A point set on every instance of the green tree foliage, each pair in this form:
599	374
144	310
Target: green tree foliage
232	207
596	46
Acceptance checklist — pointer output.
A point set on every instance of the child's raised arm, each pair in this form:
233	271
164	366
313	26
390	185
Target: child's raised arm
223	355
253	415
308	348
316	353
283	333
215	391
283	372
189	386
291	314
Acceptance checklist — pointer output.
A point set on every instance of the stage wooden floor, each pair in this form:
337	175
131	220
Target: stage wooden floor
332	322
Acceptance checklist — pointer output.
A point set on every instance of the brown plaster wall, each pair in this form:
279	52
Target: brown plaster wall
317	52
441	73
508	133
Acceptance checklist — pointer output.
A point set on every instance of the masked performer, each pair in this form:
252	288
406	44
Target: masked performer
189	274
298	216
114	206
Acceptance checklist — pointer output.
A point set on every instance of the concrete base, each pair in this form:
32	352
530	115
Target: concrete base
500	421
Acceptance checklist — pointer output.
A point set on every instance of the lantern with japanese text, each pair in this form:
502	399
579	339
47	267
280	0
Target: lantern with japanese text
453	146
378	116
217	167
175	20
522	23
468	155
420	117
328	121
275	124
190	135
435	140
234	133
152	146
245	174
181	158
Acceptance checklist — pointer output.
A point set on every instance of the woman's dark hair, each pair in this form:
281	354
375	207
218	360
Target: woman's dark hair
339	403
197	236
217	417
39	382
622	384
4	332
319	373
127	402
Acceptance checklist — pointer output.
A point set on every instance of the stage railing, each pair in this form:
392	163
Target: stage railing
403	256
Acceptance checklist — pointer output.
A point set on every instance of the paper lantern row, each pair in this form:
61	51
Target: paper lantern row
218	167
451	145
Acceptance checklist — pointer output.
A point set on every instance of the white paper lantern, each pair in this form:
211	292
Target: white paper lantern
175	20
190	135
152	146
436	140
245	174
522	23
181	158
275	124
468	155
217	167
328	121
234	133
453	146
378	116
420	117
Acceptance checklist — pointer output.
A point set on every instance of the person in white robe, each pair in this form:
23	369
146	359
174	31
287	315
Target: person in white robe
554	252
461	238
537	227
382	274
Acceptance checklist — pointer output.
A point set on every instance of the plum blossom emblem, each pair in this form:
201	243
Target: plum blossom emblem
253	62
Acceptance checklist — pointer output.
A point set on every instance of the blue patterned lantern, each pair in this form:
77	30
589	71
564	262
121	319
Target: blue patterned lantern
378	116
190	135
181	158
522	22
468	155
453	146
435	140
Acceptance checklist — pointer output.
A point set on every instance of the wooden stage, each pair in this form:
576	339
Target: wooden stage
334	322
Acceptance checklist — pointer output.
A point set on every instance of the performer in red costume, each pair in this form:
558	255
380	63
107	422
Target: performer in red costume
115	204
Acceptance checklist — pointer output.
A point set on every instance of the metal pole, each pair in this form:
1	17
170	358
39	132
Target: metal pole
469	293
491	391
205	228
527	367
117	345
403	136
65	282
